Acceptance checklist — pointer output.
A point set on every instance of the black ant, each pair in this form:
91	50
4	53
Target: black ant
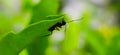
59	24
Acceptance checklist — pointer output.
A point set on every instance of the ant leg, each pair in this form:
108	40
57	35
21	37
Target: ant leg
57	28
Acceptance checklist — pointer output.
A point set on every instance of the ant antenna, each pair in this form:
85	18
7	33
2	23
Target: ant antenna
74	20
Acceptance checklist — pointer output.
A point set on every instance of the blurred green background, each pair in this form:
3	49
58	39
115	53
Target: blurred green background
95	29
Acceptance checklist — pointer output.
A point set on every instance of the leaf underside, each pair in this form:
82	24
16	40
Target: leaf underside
12	43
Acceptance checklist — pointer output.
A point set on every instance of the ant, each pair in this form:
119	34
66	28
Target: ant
59	24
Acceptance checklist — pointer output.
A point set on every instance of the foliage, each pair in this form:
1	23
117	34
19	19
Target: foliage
25	31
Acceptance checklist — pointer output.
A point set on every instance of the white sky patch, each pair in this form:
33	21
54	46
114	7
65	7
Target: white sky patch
100	2
74	8
57	36
15	5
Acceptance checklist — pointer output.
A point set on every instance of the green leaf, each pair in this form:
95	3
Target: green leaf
43	9
114	48
72	36
12	44
95	42
4	24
